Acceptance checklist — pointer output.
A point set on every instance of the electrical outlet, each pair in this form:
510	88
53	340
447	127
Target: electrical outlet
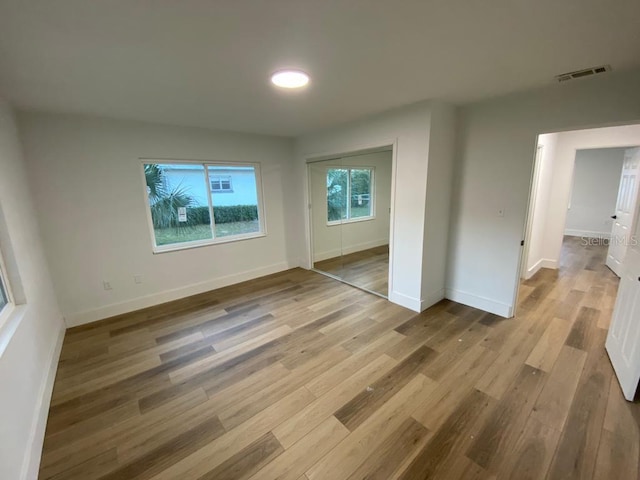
107	285
137	278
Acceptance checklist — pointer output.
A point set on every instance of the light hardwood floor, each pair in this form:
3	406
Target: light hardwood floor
367	269
297	376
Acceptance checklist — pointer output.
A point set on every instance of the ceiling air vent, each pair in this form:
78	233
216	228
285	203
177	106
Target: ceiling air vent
563	77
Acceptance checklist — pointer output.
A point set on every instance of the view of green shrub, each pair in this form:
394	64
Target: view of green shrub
222	214
164	203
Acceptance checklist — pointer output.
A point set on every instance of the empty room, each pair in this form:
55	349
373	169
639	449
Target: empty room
250	240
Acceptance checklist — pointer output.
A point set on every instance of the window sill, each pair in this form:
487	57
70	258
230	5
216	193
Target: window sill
10	320
205	243
351	220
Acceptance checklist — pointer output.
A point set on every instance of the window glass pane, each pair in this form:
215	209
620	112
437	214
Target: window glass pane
337	179
3	296
360	193
221	183
235	202
178	202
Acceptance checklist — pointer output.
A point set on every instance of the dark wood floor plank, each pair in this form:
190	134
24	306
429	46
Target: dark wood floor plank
99	421
202	345
419	333
443	442
455	385
583	325
384	460
353	413
531	455
214	379
245	408
616	458
453	329
455	350
247	461
160	458
370	335
506	422
578	448
570	305
134	384
90	468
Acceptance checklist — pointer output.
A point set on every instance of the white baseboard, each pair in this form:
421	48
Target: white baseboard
542	263
88	316
415	304
326	255
482	303
31	465
587	233
432	299
405	301
346	250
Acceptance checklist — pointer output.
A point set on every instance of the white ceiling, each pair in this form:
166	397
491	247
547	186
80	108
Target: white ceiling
207	62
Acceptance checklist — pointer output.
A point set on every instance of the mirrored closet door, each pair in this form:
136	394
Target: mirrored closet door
350	217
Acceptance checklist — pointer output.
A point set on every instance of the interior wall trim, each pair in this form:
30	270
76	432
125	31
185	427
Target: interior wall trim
138	303
482	303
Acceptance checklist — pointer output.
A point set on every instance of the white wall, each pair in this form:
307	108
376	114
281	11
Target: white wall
89	194
594	193
495	153
540	206
438	202
409	129
31	339
333	240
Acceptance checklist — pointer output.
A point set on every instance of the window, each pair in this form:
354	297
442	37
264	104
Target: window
192	204
349	194
5	294
221	184
4	298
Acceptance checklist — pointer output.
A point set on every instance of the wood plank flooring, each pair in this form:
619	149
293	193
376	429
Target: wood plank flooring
297	376
368	269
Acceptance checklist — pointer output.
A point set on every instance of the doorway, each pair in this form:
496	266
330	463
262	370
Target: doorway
350	212
581	242
577	190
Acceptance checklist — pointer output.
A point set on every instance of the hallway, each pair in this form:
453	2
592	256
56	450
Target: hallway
600	435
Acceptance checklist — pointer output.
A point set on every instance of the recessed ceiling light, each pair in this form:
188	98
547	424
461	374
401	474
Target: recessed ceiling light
290	79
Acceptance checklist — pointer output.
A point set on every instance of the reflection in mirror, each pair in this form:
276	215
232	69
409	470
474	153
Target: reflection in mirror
350	215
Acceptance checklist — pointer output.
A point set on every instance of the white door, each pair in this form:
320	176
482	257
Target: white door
626	207
525	274
623	340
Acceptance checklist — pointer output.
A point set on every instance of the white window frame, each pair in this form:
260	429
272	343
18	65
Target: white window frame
372	194
7	309
262	232
219	179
